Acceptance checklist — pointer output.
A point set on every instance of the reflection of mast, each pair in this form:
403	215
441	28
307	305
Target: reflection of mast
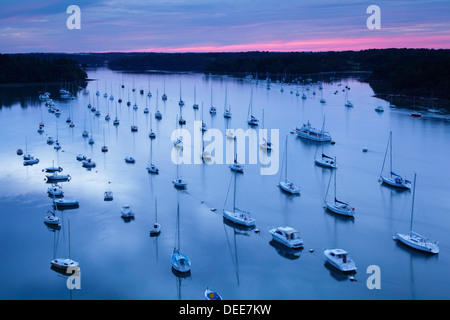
234	257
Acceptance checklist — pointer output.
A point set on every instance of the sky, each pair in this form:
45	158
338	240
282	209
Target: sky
221	25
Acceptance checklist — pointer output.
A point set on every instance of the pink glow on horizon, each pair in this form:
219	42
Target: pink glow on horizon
332	44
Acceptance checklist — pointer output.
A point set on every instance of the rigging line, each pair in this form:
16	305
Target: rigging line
228	191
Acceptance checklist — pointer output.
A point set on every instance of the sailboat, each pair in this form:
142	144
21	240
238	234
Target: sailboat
325	161
164	96
151	168
116	120
227	109
212	295
265	143
413	239
195	105
151	135
204	126
158	114
62	263
155	229
52	219
337	206
348	103
212	109
180	262
178	182
285	184
238	216
251	120
392	179
104	148
134	128
181	102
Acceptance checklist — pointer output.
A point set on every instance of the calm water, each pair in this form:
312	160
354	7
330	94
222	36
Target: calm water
119	260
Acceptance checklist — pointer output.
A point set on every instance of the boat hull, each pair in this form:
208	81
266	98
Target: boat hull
288	187
347	211
416	242
391	182
238	218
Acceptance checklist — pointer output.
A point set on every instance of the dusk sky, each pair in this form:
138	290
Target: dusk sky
221	25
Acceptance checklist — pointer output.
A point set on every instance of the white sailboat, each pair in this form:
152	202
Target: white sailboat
265	143
152	168
158	114
195	105
155	229
285	184
325	161
180	262
238	216
212	109
64	263
413	239
392	179
251	120
227	109
338	206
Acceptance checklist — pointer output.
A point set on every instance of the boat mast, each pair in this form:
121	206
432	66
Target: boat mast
285	169
412	207
390	139
234	192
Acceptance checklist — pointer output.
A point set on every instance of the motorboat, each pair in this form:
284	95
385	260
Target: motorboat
287	236
310	133
339	259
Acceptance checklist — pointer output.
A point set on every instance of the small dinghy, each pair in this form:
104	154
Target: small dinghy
50	140
339	259
379	109
130	160
19	152
212	295
287	236
80	157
